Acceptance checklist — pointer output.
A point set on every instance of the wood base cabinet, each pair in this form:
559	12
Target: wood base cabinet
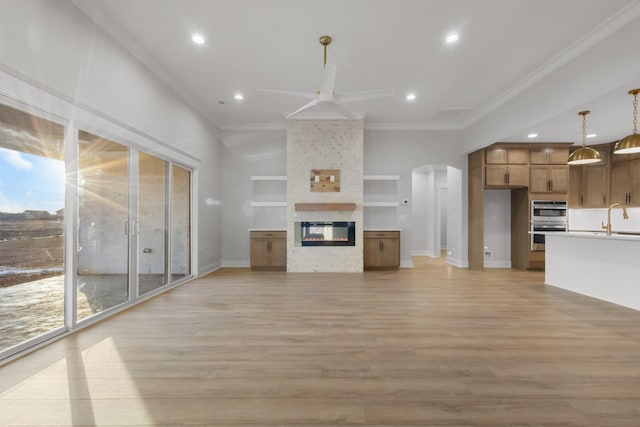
269	250
381	250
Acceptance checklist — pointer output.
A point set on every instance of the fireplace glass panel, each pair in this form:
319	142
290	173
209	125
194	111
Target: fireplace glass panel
325	233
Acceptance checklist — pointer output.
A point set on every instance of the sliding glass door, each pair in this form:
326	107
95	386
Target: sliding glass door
129	225
152	223
180	223
32	174
103	225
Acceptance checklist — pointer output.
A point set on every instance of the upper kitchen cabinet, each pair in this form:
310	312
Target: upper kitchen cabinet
506	156
625	183
589	184
549	156
506	167
506	176
549	179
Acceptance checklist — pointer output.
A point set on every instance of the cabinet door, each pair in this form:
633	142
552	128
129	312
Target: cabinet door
495	175
545	179
595	187
558	156
559	178
260	255
576	186
517	156
634	172
278	253
372	256
539	179
390	249
503	156
518	176
619	183
549	156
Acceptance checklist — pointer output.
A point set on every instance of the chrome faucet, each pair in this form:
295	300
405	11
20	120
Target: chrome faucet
624	215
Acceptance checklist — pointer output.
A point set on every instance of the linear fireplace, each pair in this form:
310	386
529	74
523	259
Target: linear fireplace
325	233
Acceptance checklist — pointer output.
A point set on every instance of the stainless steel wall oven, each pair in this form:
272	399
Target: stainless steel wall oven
546	216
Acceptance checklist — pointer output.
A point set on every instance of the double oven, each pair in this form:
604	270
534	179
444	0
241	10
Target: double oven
546	216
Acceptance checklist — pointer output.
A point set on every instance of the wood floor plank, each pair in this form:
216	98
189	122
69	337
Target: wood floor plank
434	345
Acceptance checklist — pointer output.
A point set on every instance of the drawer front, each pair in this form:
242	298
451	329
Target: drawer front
269	234
381	234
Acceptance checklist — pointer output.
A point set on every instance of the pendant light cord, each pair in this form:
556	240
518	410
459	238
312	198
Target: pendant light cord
635	111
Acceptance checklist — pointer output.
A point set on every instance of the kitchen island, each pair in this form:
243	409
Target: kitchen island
596	265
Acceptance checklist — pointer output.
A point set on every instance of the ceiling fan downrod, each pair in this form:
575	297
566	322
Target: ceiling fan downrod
324	41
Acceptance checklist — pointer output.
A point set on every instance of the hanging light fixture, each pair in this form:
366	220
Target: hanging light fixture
584	155
631	143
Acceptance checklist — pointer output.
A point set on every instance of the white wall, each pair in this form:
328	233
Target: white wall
420	211
54	59
247	153
398	152
497	228
429	210
457	216
386	152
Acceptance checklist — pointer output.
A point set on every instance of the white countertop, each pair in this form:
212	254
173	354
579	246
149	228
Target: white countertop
267	229
595	235
382	229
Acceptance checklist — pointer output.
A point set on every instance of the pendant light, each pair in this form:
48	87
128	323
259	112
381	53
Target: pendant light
631	143
584	155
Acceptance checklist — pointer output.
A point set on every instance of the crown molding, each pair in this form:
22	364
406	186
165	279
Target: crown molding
273	126
614	23
111	29
282	126
411	126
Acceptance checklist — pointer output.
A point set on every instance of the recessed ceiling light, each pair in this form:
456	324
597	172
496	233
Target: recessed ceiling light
197	38
591	135
238	97
452	38
532	135
411	96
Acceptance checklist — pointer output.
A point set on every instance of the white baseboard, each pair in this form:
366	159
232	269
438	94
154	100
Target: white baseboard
457	262
208	269
236	264
497	263
406	264
425	253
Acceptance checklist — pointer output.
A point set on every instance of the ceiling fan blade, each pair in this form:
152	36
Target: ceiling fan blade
305	95
328	81
363	95
341	110
308	105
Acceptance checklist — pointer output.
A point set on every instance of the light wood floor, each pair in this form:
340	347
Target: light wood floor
429	346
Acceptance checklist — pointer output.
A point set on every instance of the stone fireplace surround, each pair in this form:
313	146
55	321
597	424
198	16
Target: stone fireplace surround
325	144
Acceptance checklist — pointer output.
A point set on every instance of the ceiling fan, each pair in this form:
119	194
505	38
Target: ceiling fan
325	97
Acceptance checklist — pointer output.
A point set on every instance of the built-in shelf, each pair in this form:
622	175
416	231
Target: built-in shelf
268	178
381	177
381	204
325	206
269	204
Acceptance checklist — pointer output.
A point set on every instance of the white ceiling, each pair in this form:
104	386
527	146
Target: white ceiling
504	46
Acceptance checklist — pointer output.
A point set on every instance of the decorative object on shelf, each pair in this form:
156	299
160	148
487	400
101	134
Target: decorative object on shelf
326	98
630	144
325	206
584	155
325	180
